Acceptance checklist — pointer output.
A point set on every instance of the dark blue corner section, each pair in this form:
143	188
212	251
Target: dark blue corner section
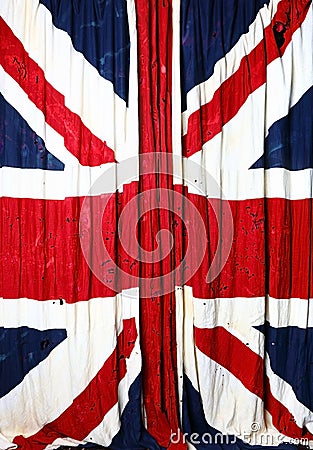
290	350
99	30
132	434
289	143
209	29
194	421
22	349
20	146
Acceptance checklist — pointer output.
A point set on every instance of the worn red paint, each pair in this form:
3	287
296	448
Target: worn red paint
78	139
209	119
248	367
88	409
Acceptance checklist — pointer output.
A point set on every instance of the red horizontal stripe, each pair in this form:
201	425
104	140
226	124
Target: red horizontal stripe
41	257
78	139
207	122
228	351
89	408
289	248
271	251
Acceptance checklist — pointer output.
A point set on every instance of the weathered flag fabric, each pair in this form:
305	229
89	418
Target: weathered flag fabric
156	178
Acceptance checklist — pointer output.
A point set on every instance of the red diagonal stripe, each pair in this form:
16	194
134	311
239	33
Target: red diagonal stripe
228	351
207	122
78	139
89	408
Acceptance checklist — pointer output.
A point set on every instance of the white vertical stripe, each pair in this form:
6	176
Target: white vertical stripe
180	313
176	95
289	312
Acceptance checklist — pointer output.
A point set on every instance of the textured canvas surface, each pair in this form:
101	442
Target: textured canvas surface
156	224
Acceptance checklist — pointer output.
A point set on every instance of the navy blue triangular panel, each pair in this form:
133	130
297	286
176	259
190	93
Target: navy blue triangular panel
206	38
289	143
291	355
20	146
99	30
132	434
22	349
194	421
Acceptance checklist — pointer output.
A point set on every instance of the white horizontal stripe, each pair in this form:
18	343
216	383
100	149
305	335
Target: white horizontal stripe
82	315
293	185
86	93
291	312
240	313
53	185
237	316
73	355
228	65
245	184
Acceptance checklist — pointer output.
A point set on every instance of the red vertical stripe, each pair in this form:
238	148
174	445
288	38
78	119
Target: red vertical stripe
154	23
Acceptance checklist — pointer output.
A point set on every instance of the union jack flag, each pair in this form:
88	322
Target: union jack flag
89	356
